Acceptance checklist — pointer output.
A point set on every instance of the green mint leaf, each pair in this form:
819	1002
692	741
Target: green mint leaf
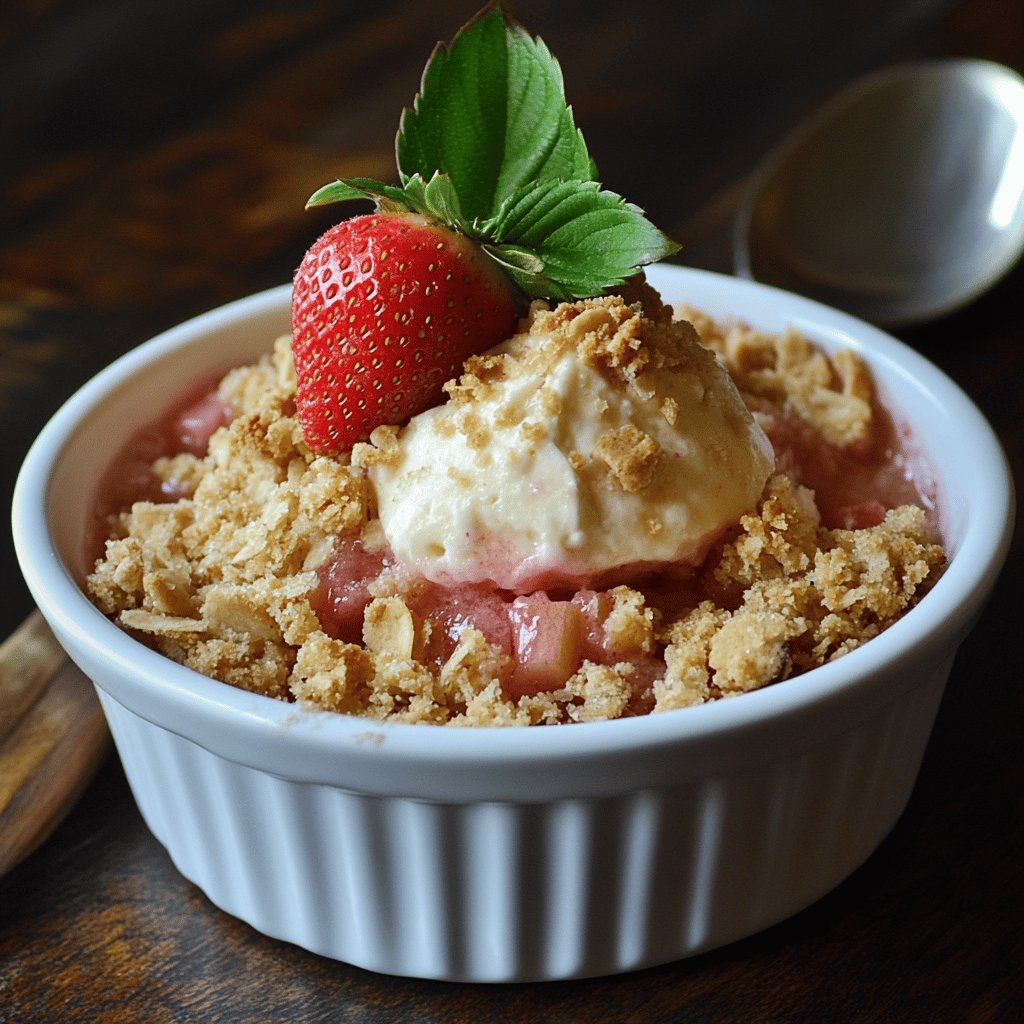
586	240
491	115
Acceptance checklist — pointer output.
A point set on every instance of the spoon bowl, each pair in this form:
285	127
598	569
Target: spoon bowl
901	200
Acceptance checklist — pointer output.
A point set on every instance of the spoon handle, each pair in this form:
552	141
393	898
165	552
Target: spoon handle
53	737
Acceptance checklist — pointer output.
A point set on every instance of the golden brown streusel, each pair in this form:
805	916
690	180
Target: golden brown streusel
802	602
224	579
834	394
632	457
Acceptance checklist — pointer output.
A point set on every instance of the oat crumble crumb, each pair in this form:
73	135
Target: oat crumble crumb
834	394
632	457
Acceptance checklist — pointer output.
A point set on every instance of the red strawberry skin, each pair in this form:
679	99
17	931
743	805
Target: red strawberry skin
385	309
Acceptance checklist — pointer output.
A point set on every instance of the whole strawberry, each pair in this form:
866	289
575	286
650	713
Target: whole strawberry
497	201
385	309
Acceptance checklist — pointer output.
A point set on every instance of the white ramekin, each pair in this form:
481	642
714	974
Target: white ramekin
518	854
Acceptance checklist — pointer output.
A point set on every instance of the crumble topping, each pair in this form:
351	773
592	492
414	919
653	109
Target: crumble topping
224	580
793	596
632	457
834	394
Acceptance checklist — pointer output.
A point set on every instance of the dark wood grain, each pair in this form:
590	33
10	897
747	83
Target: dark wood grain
154	162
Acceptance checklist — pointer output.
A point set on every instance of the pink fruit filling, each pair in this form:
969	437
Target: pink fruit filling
186	427
343	593
854	486
547	638
190	429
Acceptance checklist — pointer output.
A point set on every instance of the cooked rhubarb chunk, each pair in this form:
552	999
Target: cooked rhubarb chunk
342	594
547	638
450	610
190	431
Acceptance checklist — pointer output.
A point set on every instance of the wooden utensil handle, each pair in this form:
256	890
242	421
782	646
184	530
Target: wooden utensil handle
53	737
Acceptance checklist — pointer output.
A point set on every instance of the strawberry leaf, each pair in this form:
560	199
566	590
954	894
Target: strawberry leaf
357	188
436	197
526	268
571	239
491	115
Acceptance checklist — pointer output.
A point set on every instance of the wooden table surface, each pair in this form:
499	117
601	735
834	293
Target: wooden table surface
154	162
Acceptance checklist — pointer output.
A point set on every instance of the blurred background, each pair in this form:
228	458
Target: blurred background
155	157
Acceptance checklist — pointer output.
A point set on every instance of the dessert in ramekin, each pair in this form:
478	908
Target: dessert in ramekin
594	525
514	854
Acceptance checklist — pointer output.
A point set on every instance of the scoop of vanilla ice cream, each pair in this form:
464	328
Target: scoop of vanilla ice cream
595	443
